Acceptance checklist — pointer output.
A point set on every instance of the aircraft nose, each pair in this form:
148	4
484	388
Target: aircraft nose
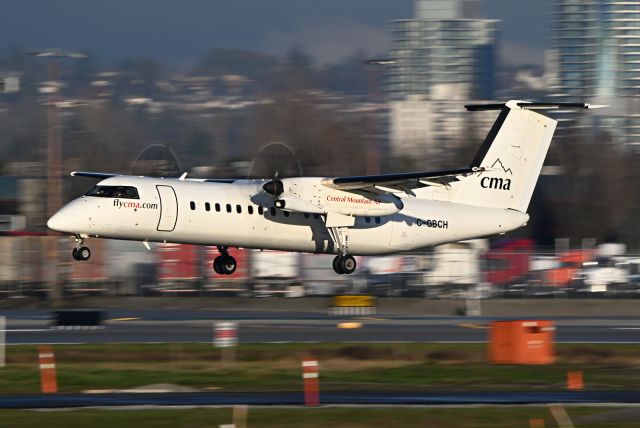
60	221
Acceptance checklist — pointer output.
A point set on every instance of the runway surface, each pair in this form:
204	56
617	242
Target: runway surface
180	326
32	401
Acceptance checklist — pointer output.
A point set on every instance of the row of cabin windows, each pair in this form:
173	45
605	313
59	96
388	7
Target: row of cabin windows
272	211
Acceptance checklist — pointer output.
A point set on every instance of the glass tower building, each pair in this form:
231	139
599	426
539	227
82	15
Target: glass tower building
443	57
447	43
597	49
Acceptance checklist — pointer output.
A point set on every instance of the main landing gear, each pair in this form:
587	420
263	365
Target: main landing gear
224	264
80	252
344	264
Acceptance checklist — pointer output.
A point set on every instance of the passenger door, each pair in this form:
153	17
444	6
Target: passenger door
168	208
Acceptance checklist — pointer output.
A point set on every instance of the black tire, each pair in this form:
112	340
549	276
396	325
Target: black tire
336	265
74	254
216	265
228	265
84	253
347	264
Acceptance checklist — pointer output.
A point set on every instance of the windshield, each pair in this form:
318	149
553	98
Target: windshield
125	192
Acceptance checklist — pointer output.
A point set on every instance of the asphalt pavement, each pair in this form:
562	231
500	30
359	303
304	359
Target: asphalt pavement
182	326
49	401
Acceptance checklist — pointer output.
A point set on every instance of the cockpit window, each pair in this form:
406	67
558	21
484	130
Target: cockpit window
124	192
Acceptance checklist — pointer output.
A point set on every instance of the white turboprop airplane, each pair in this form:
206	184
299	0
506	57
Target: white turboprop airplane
346	216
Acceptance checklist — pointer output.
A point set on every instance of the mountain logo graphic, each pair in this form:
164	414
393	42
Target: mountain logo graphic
499	162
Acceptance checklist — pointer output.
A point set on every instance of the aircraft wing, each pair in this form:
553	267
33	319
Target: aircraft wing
401	182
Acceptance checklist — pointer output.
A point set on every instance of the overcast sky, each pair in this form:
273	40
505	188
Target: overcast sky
179	32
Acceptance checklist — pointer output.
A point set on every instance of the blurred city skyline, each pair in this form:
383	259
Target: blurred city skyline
180	33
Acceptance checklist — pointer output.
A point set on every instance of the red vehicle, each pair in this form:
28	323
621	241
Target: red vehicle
508	263
178	268
570	264
233	284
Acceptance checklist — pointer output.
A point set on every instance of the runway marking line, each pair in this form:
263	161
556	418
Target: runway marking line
124	319
470	325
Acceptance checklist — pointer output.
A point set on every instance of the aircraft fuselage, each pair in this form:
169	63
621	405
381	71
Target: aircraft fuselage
231	215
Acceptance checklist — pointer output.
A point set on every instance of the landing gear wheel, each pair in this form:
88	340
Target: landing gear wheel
347	264
225	265
81	254
336	265
216	266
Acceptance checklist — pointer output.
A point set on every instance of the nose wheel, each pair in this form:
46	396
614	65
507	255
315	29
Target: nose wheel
224	264
81	254
344	264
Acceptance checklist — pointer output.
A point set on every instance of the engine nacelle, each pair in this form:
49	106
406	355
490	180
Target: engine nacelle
355	204
346	203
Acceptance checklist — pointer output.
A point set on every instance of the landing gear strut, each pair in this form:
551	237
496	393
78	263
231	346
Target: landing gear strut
344	264
224	264
80	252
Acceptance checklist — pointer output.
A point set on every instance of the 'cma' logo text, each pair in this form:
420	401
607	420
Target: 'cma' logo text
497	183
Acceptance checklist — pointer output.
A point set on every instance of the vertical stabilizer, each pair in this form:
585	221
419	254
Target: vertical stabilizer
512	154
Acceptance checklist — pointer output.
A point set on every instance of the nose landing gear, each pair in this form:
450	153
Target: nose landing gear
224	264
80	252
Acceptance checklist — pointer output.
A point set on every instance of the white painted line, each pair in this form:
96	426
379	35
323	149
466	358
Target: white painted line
47	366
310	363
625	328
24	330
310	375
46	355
3	340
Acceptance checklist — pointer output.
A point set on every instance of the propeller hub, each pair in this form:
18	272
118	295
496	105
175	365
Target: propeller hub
274	187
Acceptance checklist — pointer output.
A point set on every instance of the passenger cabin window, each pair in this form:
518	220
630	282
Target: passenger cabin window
286	213
367	219
193	205
377	220
238	209
250	209
217	207
228	208
123	192
306	215
260	210
207	206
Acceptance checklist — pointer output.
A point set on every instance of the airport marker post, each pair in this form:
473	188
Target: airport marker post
3	340
225	336
310	378
48	380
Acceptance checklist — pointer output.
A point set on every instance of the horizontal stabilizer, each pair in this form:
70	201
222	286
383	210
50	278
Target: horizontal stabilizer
531	106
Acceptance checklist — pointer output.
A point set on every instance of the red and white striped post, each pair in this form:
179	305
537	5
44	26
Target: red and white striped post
48	379
310	377
225	336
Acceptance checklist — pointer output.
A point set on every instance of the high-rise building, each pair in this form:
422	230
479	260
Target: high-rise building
446	43
443	57
597	49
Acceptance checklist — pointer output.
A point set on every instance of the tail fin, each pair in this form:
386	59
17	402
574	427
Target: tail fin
512	154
